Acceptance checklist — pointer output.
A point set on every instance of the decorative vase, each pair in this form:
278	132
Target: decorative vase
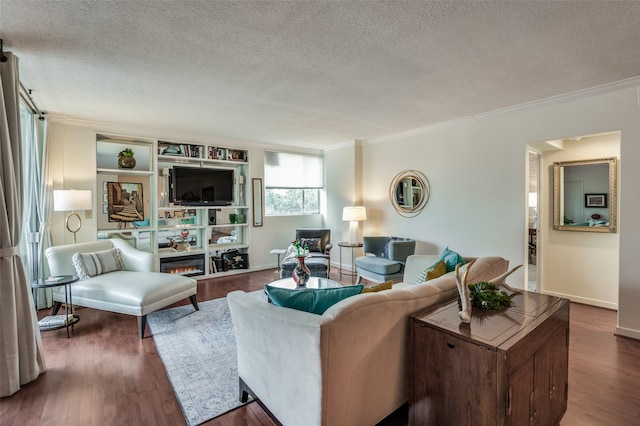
126	162
301	273
164	191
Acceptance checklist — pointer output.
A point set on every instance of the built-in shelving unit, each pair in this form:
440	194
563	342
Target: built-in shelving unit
190	240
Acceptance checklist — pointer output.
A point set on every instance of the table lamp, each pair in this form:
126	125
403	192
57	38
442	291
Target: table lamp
71	200
354	215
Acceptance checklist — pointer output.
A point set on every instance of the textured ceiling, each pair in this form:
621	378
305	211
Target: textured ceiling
313	73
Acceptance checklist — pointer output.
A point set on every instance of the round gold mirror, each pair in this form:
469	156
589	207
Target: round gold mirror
409	192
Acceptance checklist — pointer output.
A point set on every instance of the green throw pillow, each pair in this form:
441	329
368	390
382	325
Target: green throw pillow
311	300
378	287
434	271
451	259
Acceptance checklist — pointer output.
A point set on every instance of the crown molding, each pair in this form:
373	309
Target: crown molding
347	144
552	100
130	131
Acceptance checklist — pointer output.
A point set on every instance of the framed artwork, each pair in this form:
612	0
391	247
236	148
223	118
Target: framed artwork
595	200
125	202
257	201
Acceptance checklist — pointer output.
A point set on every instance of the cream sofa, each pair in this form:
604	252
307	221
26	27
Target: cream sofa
347	366
135	291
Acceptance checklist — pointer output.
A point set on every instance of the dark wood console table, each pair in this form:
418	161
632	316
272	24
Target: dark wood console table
504	368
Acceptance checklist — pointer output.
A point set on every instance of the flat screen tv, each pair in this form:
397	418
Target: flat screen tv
192	186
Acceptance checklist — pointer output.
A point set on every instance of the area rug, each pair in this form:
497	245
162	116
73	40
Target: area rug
198	349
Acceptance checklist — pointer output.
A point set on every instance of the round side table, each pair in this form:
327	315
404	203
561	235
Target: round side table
69	319
353	247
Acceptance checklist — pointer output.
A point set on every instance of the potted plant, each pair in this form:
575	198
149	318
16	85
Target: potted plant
126	159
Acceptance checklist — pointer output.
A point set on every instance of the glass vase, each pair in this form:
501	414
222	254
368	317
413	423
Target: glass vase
301	273
164	191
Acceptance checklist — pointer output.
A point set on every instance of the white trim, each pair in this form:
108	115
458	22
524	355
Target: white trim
132	131
604	88
347	144
584	300
627	332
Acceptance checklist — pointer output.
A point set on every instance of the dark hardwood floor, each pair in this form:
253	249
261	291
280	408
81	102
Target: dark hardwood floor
106	375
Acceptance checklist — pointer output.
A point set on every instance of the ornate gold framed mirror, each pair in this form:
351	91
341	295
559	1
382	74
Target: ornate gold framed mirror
585	195
409	192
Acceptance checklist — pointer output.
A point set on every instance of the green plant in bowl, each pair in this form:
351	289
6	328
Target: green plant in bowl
127	152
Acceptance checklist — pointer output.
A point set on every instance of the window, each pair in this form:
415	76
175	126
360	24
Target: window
292	183
30	182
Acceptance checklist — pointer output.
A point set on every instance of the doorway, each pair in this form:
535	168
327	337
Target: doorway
533	248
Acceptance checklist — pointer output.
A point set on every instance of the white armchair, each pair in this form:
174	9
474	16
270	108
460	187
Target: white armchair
134	291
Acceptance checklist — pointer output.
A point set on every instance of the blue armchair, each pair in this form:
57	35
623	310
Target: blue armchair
384	258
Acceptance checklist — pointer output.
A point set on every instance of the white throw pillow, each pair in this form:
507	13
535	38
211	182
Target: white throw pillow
100	262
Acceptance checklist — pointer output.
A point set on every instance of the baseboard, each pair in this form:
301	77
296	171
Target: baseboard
584	300
627	332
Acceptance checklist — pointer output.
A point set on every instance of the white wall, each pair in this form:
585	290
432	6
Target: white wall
73	166
343	183
476	168
582	266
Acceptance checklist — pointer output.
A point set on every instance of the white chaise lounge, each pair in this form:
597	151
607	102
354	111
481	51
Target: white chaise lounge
136	290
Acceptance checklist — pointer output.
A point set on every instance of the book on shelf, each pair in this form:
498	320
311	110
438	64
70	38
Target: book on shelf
54	321
221	153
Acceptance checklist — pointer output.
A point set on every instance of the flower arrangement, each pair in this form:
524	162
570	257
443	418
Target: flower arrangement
300	251
127	152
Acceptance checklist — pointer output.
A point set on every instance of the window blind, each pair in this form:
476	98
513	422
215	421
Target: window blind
289	170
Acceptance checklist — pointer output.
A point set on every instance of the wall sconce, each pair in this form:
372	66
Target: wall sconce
71	200
354	215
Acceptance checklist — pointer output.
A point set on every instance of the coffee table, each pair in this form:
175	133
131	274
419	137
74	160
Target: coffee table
314	282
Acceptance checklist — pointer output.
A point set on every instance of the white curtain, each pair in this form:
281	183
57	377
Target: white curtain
37	197
21	356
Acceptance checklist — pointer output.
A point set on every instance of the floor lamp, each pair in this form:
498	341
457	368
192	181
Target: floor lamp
65	200
354	215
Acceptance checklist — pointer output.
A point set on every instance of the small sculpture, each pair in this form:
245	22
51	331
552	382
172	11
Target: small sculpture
465	293
499	281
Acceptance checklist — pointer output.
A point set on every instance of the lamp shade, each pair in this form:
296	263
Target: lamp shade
354	214
71	199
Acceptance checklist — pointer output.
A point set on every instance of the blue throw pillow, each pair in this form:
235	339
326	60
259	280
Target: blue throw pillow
311	300
451	259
